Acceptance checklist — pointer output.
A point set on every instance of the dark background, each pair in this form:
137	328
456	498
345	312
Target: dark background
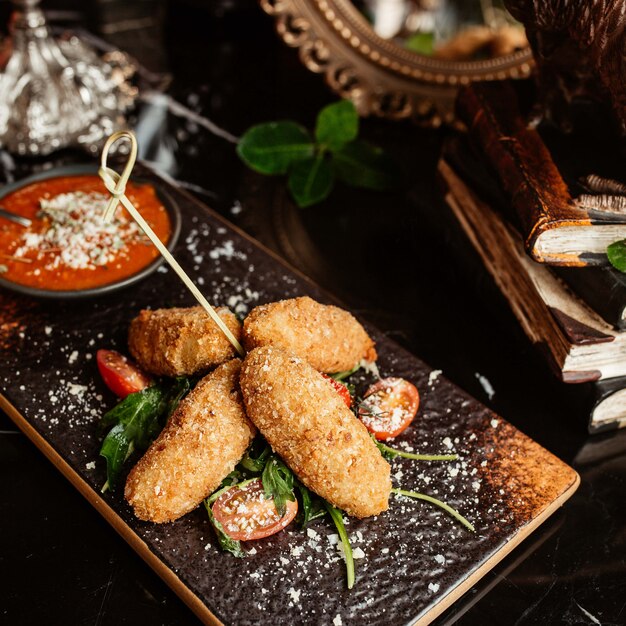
396	258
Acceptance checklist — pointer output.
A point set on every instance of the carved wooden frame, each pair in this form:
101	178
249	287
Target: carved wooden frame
381	78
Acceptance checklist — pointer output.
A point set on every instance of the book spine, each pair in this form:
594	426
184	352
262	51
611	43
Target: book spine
539	196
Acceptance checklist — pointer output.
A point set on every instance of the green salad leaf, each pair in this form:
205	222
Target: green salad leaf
447	508
178	390
226	543
313	507
391	453
340	376
278	483
255	458
337	518
135	422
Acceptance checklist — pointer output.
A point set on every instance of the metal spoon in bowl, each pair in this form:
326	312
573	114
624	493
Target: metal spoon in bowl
18	219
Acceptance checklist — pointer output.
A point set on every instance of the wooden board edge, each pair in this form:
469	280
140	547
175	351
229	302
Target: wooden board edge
132	539
492	561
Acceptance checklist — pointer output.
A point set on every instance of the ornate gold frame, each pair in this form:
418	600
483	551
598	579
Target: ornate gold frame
382	79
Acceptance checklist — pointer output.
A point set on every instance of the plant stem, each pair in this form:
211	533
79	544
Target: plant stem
417	457
337	518
439	503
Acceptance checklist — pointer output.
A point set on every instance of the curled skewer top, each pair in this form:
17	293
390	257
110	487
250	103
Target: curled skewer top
114	182
116	186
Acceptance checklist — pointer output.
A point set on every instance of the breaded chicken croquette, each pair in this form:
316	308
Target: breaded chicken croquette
328	337
307	423
178	342
202	442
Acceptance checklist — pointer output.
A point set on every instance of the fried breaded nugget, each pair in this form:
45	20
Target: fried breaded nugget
328	337
305	421
203	441
177	342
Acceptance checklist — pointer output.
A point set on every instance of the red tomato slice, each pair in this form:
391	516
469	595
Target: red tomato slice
342	390
120	374
245	513
388	407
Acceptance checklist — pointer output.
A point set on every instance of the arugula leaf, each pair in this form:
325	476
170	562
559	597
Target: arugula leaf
421	496
391	453
337	124
255	458
226	543
179	389
234	478
310	180
346	373
337	518
136	422
312	506
278	483
116	448
616	253
362	165
272	147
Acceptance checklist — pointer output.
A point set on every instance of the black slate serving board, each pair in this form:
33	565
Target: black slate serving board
416	560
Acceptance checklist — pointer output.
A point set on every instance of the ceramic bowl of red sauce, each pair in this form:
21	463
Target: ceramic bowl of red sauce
68	251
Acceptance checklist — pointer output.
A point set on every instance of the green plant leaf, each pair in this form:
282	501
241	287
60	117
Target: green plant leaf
116	448
391	453
312	507
226	543
422	43
179	389
255	458
617	255
337	124
362	165
345	374
271	148
310	180
337	518
136	422
446	507
278	482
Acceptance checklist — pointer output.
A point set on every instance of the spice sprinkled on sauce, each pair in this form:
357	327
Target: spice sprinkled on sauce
69	246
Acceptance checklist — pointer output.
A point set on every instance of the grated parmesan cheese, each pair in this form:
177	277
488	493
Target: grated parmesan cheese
77	236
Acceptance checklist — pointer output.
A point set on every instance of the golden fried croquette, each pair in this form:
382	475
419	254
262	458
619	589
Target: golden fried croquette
203	441
328	337
307	423
177	342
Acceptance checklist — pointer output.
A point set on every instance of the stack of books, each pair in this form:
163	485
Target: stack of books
542	235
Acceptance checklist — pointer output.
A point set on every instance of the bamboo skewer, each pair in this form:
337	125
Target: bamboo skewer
116	186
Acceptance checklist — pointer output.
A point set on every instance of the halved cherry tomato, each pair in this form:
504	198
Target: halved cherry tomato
388	407
120	374
342	390
245	513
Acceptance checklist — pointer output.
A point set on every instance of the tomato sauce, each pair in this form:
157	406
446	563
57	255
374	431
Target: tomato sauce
67	253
